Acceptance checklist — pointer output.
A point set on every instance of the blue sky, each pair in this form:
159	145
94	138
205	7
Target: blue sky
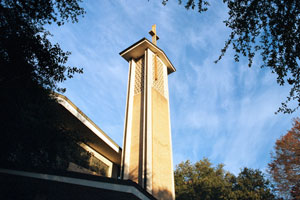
223	111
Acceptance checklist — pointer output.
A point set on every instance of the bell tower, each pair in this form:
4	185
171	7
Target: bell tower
147	146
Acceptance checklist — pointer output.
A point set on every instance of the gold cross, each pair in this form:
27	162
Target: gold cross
154	39
153	34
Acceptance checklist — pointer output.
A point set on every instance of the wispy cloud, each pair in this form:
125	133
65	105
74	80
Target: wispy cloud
222	111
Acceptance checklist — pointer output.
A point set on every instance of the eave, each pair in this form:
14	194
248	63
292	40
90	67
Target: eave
138	49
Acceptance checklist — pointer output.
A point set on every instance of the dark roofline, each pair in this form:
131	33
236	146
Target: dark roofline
75	175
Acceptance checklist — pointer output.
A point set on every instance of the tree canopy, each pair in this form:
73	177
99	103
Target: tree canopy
252	184
203	181
285	164
26	55
269	28
32	135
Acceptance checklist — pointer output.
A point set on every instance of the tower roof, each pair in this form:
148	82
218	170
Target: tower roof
138	49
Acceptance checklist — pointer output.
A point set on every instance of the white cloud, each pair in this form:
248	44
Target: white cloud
222	111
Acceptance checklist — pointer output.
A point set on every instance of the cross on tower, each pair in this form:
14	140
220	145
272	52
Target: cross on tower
153	34
147	130
154	39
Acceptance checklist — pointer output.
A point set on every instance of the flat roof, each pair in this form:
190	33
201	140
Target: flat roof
68	185
138	49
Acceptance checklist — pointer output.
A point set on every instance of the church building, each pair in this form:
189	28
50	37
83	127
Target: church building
143	167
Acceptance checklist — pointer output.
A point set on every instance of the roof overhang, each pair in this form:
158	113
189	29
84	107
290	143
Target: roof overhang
96	137
138	49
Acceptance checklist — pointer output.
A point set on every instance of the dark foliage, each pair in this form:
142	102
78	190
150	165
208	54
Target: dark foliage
203	181
252	184
32	135
270	28
27	56
295	192
201	6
